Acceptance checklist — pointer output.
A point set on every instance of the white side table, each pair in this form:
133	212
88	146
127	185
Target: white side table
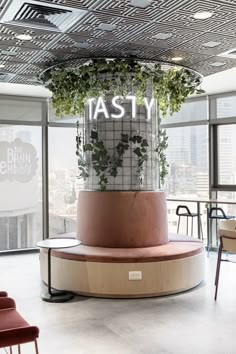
56	243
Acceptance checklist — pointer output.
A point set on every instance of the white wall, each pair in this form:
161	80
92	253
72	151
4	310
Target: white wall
224	81
24	90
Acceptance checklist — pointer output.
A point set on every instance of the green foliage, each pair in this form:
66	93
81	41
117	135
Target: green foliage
141	152
83	165
72	88
161	153
95	154
99	157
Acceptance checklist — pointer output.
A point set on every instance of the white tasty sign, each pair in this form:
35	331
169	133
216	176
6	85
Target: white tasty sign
18	161
99	106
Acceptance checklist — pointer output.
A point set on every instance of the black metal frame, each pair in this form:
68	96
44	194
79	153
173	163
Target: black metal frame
56	295
219	260
192	215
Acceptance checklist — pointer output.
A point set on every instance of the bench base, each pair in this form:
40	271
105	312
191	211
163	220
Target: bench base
102	272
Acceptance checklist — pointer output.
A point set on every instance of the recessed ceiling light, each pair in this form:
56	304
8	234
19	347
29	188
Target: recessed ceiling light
140	3
162	36
177	58
230	54
106	27
2	66
132	52
217	63
24	37
202	15
211	44
82	45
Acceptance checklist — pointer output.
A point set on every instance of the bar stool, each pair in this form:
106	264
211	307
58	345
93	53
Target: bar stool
183	210
216	213
213	214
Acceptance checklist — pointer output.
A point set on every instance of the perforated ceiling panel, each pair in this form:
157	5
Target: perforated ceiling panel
162	30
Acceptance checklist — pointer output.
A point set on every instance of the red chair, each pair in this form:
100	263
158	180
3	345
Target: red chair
14	330
3	293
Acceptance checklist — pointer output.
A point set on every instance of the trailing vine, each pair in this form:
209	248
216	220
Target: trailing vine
142	154
83	164
72	87
96	155
161	153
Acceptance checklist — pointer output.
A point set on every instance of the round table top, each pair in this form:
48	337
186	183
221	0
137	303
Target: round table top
58	243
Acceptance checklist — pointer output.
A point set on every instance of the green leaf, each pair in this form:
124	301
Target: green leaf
138	152
94	135
125	138
88	147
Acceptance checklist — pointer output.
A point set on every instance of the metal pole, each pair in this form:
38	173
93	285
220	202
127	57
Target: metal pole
49	272
198	220
45	175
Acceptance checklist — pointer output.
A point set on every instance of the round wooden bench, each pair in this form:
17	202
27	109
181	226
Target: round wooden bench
107	272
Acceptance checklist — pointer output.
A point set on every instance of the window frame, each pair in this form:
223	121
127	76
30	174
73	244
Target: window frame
212	122
214	125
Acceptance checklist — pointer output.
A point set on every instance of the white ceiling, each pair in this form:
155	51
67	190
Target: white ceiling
224	81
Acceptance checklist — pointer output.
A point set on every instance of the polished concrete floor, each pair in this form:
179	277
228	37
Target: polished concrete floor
191	323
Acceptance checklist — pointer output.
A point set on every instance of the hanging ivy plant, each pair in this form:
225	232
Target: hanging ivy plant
161	153
72	88
94	154
142	153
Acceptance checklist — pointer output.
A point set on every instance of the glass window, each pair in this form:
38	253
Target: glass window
226	107
188	173
188	160
229	209
185	228
20	186
63	181
192	110
19	109
227	154
64	119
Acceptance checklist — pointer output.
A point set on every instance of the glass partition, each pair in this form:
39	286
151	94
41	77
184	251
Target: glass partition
20	186
226	196
192	110
226	106
64	119
188	161
63	181
20	109
227	154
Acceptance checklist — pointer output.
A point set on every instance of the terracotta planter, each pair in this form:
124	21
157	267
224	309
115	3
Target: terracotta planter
122	219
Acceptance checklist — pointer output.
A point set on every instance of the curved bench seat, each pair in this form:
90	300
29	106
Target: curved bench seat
104	272
170	251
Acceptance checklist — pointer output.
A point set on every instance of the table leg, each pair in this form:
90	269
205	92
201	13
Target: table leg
49	272
209	235
198	220
56	295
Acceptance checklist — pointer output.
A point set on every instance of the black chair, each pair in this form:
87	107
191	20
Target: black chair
219	214
216	213
183	210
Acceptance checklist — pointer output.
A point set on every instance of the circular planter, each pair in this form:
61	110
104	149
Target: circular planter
122	219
